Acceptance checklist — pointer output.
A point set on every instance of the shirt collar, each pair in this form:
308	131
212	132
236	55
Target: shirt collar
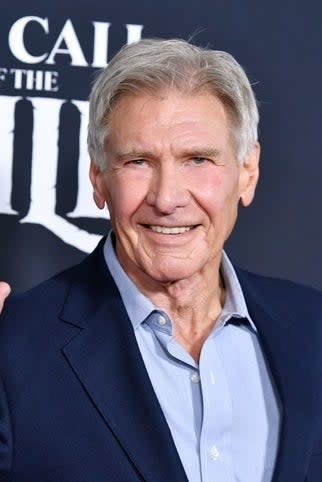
139	307
235	304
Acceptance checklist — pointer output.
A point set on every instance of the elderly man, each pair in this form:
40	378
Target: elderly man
155	359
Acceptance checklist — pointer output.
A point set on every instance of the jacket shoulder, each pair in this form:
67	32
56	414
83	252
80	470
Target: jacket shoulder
280	295
38	310
30	319
43	296
49	295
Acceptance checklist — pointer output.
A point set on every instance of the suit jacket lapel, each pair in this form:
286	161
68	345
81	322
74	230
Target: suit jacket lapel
291	361
106	359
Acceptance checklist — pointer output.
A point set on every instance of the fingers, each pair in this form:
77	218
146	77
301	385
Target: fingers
4	292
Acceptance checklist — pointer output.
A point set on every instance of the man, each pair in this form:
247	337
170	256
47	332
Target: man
155	359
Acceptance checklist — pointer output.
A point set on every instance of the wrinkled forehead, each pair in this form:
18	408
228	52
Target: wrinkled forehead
126	97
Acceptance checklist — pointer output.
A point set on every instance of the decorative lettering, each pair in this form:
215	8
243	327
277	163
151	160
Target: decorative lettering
7	109
67	42
16	39
68	35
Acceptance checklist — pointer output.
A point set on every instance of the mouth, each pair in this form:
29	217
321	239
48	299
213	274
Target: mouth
170	230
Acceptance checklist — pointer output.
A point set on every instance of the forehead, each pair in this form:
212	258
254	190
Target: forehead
168	116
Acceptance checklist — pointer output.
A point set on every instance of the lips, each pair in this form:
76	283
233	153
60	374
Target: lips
169	230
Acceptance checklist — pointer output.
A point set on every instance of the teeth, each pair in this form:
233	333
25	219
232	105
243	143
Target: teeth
173	230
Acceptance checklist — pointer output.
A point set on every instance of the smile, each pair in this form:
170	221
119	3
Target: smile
172	230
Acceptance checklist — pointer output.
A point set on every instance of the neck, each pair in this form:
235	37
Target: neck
193	305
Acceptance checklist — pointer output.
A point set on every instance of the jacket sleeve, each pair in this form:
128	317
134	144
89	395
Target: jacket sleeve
5	437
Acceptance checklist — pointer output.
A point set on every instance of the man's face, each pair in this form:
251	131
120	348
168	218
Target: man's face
172	184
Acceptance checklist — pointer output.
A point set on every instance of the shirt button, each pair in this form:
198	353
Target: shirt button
195	378
162	321
214	452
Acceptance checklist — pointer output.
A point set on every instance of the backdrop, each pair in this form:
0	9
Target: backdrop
48	59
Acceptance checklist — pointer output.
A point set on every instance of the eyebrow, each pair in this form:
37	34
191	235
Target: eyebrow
132	154
201	151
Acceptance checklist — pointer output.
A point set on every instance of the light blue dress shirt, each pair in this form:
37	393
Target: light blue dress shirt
223	413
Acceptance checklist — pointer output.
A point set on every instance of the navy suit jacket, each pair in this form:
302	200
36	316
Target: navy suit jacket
76	403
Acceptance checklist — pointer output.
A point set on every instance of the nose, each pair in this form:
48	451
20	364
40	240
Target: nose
168	189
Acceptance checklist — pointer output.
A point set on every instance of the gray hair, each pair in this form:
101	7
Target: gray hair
153	65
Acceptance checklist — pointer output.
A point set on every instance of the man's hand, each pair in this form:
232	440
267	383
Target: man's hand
4	291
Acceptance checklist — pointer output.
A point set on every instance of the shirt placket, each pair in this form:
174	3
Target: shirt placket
215	437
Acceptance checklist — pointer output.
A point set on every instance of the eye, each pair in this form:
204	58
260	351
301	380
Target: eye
199	160
136	162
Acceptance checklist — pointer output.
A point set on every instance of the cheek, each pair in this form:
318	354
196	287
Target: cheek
124	197
218	197
211	191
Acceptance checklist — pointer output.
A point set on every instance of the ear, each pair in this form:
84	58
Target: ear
249	175
95	175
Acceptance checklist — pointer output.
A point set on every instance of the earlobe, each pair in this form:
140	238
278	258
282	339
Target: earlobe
100	203
95	176
250	174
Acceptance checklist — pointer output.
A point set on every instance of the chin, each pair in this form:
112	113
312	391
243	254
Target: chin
170	274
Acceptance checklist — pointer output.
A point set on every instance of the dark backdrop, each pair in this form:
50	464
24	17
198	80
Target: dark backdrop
47	62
